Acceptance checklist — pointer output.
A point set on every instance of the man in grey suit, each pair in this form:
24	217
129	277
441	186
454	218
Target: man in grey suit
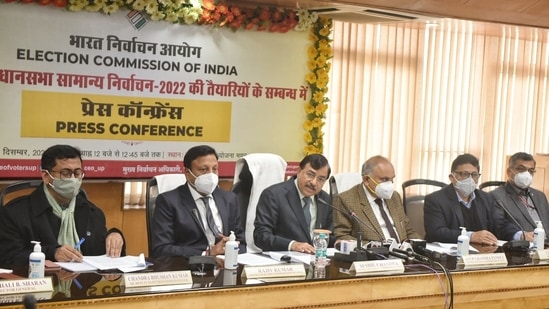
288	212
197	217
378	208
461	204
527	205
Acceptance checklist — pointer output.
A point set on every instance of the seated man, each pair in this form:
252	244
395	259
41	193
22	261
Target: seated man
379	210
197	217
460	204
288	212
527	205
57	215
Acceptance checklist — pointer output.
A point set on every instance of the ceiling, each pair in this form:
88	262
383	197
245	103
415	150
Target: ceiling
515	12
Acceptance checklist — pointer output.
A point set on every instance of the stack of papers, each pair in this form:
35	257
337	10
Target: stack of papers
125	264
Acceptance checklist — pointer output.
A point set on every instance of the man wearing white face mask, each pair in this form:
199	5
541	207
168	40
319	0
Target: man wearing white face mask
460	204
376	204
58	215
196	218
527	205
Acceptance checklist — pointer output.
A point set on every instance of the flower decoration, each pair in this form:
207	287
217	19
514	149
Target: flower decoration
319	54
220	14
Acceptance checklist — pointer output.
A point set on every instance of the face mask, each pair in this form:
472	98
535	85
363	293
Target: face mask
465	186
205	183
384	190
523	180
67	188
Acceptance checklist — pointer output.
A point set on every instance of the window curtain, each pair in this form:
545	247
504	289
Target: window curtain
421	94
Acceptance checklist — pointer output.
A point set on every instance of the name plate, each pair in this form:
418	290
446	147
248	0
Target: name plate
23	286
542	255
390	266
484	259
181	277
274	271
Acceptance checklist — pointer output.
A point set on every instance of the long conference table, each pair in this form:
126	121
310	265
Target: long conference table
524	283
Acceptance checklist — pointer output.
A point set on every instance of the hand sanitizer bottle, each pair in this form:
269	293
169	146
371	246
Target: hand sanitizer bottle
463	243
539	237
231	252
37	261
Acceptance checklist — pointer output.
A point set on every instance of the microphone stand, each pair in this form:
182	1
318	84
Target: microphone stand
514	245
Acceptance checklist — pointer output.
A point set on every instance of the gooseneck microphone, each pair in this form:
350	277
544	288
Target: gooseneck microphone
29	302
517	245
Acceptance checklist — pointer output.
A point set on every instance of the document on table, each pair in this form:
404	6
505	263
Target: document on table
447	248
125	264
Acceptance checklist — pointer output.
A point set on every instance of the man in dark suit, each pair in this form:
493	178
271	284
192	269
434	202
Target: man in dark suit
373	201
527	205
197	217
58	215
288	212
460	204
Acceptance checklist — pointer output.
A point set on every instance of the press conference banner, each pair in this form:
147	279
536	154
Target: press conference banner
134	94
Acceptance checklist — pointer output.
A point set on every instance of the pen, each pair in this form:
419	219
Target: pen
80	242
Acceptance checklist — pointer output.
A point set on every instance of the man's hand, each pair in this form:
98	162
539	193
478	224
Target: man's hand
114	244
529	236
67	253
303	247
484	237
219	248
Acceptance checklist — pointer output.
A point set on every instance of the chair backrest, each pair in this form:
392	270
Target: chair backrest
253	173
342	182
490	185
156	185
17	189
413	201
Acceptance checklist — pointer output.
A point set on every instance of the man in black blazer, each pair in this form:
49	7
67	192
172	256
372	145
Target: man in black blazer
283	212
197	217
58	215
524	203
460	204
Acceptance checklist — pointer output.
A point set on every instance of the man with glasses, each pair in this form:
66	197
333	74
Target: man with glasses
527	205
378	208
461	204
58	215
288	212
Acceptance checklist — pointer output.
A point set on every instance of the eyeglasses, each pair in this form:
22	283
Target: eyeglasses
311	176
465	174
67	173
522	169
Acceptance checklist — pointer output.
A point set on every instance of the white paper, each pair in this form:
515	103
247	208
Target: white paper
5	271
77	267
296	257
125	264
255	259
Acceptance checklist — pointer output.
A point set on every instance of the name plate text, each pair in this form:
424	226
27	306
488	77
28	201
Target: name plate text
484	259
542	255
390	266
23	286
157	278
274	271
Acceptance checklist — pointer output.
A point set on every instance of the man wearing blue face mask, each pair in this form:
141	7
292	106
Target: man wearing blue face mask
58	215
376	204
461	204
527	205
196	218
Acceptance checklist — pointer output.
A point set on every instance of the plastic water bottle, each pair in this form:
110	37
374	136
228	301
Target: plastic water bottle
37	261
231	252
321	245
539	236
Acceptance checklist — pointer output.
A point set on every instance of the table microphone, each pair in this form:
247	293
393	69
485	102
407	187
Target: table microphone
29	302
514	245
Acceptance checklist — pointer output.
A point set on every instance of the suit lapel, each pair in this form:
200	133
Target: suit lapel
190	205
367	210
393	205
223	211
292	197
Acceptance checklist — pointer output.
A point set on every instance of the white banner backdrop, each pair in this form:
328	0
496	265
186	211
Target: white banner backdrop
135	100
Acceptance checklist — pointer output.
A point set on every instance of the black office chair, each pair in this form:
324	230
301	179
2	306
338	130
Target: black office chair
413	201
21	188
152	191
490	185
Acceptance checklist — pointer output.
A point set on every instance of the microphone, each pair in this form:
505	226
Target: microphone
514	245
373	252
29	302
414	256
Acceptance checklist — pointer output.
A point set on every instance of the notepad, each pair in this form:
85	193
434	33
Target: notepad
92	263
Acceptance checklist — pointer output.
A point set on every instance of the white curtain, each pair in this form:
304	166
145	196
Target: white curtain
421	94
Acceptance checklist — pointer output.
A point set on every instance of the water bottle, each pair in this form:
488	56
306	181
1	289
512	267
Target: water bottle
539	236
321	245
